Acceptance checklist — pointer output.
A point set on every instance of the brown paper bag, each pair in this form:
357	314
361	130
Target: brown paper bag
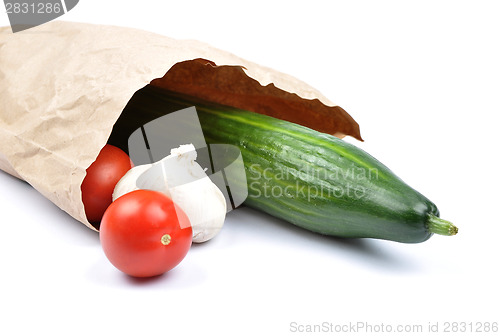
63	86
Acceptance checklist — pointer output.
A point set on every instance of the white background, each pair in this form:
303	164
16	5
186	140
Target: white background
423	81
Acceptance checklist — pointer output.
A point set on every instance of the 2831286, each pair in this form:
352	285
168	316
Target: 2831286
33	8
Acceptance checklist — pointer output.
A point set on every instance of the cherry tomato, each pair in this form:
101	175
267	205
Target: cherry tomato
143	233
97	187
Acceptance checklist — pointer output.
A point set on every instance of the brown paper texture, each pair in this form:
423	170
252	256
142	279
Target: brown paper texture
63	85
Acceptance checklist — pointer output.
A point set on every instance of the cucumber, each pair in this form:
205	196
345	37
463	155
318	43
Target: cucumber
320	182
314	180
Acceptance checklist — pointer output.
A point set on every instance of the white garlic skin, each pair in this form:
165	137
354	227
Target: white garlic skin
182	179
128	181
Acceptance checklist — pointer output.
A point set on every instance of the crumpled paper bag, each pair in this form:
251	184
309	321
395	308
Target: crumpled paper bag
63	86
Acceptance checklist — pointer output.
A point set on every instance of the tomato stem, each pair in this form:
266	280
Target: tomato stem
441	226
166	239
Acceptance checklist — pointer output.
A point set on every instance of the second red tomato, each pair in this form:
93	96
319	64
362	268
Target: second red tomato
102	176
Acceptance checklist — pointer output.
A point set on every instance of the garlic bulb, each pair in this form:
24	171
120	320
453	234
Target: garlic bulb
181	178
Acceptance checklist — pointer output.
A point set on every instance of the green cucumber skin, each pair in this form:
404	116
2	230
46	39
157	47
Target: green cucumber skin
315	180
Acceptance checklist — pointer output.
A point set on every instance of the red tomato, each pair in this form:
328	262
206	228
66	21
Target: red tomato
97	187
143	233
